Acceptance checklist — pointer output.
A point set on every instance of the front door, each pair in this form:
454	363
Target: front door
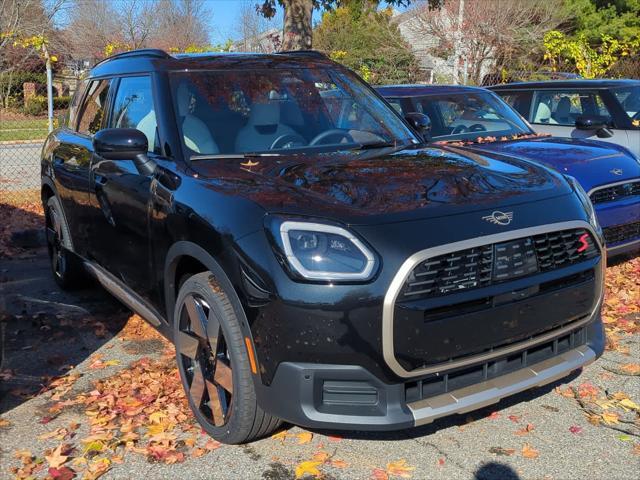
121	195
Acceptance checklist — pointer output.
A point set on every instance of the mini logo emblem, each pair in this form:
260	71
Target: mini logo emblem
616	171
499	218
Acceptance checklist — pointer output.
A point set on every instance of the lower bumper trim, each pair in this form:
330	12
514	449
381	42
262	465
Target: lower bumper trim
492	391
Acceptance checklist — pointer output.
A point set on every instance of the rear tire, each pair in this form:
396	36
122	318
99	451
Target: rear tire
67	270
214	365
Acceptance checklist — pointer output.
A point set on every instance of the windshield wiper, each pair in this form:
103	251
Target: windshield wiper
233	156
372	145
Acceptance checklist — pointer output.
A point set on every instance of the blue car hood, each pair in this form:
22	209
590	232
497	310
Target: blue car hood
592	163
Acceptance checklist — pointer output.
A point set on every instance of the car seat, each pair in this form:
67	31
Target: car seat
262	129
195	132
543	114
563	112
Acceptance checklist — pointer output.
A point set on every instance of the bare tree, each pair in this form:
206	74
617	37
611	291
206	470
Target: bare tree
491	31
137	23
93	24
182	24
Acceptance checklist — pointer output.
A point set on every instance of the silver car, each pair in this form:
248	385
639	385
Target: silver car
607	110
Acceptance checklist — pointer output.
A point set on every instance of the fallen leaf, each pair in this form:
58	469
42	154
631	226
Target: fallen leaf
575	429
198	452
441	461
304	437
631	368
494	415
96	469
339	464
308	468
320	457
610	418
4	422
335	438
56	458
502	451
514	418
529	452
212	444
62	473
282	436
624	437
525	430
400	468
628	404
379	474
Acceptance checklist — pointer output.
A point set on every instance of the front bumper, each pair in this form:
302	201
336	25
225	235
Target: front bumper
350	397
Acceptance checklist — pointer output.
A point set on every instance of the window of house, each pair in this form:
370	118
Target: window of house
133	108
93	108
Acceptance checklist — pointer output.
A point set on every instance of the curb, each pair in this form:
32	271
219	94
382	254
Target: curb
22	142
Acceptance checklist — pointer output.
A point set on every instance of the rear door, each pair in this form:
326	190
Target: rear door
555	112
121	195
71	158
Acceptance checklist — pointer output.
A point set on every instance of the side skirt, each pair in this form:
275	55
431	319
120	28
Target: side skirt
124	294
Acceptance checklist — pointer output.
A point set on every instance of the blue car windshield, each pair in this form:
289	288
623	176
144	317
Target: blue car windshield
467	116
275	111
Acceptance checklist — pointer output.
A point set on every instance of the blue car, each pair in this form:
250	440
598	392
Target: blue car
474	121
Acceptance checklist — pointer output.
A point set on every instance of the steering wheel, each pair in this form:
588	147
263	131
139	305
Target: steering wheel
287	141
477	127
330	133
458	129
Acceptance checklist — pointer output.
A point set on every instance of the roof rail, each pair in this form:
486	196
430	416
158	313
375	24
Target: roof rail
142	52
308	53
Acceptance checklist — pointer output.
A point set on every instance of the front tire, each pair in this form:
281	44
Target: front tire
67	270
214	365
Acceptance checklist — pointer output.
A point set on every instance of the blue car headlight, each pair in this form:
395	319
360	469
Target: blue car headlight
318	251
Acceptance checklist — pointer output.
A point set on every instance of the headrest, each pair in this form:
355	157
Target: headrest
290	113
183	99
264	114
543	113
564	107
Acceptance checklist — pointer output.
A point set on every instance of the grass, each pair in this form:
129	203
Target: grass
25	129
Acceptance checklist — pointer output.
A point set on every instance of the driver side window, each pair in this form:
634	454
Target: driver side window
133	108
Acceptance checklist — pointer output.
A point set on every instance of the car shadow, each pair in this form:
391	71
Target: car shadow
44	331
453	420
496	471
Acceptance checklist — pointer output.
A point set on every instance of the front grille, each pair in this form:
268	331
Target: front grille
610	194
621	233
495	263
444	382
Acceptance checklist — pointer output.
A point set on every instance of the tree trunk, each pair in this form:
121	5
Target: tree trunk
297	25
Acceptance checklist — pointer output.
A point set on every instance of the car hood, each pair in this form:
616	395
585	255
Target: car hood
373	187
592	163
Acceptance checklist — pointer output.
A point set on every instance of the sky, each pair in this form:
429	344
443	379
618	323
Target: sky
225	14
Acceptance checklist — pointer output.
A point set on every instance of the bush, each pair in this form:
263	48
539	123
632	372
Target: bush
37	105
14	81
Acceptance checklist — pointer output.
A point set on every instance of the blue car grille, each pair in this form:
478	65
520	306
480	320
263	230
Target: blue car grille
498	262
616	192
621	233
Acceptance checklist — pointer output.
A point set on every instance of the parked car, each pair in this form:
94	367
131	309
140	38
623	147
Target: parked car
310	259
607	110
477	121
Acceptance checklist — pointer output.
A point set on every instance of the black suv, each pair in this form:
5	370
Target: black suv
311	259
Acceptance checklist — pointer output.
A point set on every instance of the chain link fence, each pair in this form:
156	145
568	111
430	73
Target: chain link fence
21	140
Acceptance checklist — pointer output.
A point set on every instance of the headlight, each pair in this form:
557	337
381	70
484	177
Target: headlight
586	202
325	252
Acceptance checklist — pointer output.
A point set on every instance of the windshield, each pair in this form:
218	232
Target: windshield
278	110
629	98
467	116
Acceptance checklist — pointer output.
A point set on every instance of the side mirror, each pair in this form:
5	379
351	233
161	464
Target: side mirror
592	122
124	144
420	122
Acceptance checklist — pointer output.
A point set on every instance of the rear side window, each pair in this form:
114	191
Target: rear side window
75	105
562	107
93	109
133	108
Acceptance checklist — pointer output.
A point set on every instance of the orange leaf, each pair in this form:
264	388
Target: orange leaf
320	457
400	468
339	464
529	452
198	452
379	474
308	468
212	445
631	368
610	418
304	437
525	430
282	436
